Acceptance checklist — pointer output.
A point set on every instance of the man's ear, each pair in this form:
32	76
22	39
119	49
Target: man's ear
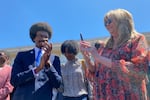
33	40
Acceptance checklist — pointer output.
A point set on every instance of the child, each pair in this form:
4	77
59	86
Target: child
72	73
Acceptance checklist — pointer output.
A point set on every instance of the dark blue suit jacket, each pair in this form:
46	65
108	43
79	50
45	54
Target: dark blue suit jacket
22	78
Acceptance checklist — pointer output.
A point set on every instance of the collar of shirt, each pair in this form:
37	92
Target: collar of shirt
36	51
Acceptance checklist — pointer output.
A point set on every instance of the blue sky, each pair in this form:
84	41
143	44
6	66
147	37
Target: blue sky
67	18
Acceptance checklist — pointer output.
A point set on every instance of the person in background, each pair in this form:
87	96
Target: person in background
33	73
99	45
148	84
72	73
5	72
123	62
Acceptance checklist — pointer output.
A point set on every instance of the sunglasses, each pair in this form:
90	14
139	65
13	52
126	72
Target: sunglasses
108	21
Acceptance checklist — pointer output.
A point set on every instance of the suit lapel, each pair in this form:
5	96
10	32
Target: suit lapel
31	57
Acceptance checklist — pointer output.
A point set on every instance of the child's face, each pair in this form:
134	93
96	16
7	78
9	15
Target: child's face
69	56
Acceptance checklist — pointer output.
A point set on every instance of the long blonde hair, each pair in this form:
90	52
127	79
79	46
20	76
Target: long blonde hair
124	24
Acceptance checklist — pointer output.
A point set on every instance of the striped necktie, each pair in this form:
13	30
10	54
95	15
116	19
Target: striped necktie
42	78
38	58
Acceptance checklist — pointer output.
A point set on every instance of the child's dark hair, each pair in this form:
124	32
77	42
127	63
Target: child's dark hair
97	45
71	46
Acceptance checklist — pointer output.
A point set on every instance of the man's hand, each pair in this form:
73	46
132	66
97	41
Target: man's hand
45	62
47	48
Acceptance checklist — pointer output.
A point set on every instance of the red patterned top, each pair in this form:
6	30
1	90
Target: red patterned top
126	80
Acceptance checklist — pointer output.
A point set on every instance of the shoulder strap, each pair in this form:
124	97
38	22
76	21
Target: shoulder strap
83	67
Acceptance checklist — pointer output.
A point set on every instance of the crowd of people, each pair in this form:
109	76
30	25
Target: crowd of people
117	69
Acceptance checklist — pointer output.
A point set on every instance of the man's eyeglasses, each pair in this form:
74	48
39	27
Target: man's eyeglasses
108	21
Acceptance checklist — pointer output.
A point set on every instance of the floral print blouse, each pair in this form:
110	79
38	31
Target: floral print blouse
126	80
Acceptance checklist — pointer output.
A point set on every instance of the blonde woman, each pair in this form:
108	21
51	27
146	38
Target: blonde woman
123	62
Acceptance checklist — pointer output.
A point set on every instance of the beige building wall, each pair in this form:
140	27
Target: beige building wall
56	47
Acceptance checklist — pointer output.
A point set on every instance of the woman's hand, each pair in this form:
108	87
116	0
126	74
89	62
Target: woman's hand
84	46
87	49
